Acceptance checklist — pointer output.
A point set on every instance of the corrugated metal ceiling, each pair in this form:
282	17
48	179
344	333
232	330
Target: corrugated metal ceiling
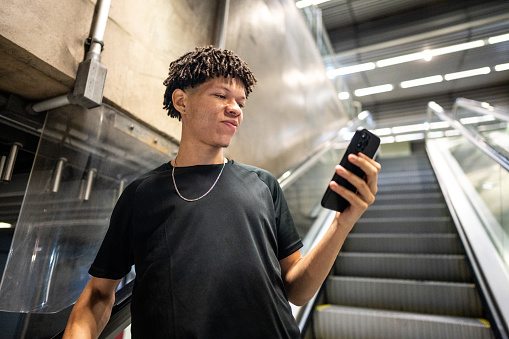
370	30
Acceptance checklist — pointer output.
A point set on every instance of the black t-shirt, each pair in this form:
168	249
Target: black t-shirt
204	269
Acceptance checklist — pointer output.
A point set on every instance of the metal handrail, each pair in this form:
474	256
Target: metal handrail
477	139
482	108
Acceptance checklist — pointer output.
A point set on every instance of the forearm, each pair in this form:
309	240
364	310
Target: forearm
306	276
89	316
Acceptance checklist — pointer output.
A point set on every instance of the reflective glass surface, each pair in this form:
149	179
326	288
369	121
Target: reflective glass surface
84	160
487	181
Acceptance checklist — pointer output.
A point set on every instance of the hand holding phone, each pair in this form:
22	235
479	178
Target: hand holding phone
363	141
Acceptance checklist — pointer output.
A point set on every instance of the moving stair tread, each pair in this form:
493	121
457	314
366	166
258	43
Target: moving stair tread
387	282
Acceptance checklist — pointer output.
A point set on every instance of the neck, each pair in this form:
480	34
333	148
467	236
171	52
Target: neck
191	157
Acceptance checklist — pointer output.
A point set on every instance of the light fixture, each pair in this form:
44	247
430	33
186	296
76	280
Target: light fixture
363	115
373	90
409	128
469	73
457	48
422	81
306	3
382	131
409	137
399	59
476	120
344	96
502	67
5	225
350	69
498	38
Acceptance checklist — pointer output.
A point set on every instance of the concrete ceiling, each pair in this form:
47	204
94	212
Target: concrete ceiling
363	31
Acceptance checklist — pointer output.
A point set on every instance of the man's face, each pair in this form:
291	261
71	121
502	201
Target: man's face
213	111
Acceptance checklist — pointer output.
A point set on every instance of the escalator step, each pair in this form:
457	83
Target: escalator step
403	243
404	225
430	297
410	211
408	198
331	322
403	266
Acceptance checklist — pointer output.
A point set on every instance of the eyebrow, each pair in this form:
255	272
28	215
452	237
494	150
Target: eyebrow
229	91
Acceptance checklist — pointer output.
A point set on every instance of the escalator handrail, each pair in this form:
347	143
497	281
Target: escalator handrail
481	108
477	139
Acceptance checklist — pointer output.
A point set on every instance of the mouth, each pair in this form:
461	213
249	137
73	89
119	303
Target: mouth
231	123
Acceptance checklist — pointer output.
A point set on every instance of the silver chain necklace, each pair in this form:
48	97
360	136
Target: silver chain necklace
210	189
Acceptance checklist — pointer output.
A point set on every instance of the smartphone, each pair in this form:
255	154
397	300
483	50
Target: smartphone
362	141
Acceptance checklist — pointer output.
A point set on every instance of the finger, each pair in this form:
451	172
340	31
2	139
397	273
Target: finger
370	167
363	190
354	199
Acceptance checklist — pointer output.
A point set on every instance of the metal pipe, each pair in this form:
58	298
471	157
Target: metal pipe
51	103
58	174
89	83
222	23
101	11
11	160
2	165
90	181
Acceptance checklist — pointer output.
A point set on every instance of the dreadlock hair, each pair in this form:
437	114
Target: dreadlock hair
204	63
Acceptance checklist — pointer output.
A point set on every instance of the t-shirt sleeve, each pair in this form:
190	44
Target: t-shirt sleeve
114	259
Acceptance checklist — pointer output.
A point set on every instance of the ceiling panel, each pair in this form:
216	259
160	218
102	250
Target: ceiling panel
363	31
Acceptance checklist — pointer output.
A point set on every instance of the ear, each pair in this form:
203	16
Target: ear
178	97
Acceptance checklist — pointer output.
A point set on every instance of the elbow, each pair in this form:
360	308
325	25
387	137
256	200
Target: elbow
299	299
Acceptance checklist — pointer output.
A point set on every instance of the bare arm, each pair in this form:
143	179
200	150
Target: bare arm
92	310
304	275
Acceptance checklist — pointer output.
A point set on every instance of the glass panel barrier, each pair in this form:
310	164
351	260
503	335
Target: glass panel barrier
84	160
480	145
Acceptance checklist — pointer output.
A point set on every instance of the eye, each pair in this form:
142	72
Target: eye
221	96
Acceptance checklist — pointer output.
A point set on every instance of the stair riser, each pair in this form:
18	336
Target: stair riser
376	225
329	324
395	212
436	268
401	245
408	296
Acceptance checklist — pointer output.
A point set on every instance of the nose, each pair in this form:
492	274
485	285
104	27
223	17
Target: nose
233	108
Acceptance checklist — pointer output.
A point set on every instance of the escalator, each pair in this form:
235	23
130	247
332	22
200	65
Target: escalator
402	272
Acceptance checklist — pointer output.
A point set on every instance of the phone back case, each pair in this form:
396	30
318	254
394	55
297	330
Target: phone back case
362	141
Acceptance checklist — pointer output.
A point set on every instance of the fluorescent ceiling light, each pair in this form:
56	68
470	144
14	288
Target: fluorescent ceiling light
502	67
498	38
351	69
344	96
363	115
387	140
469	73
457	48
409	128
452	133
373	90
438	134
306	3
382	131
476	120
5	225
400	59
439	124
422	81
428	54
409	137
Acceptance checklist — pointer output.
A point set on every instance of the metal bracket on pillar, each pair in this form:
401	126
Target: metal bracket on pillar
8	168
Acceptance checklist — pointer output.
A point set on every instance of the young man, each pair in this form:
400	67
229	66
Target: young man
212	240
